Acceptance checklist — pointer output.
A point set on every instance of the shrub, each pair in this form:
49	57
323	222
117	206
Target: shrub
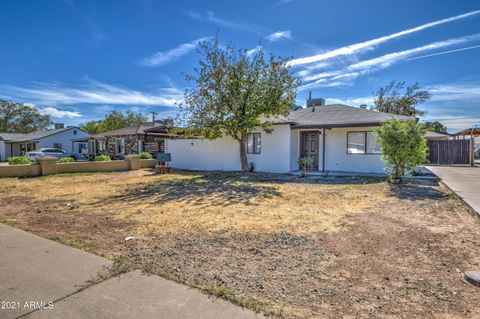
14	160
145	155
403	147
304	163
66	160
251	167
102	158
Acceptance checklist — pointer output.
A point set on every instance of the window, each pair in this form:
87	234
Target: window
57	145
101	146
362	143
139	146
373	147
74	132
119	146
254	143
356	142
161	146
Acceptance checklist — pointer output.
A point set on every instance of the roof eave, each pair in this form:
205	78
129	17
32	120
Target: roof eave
339	125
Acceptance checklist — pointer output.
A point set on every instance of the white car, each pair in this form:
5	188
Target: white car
42	152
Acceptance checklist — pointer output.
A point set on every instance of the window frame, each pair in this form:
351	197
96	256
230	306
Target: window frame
116	145
58	145
365	134
254	143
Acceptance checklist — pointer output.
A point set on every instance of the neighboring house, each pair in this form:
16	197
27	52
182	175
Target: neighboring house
129	140
436	136
18	144
338	137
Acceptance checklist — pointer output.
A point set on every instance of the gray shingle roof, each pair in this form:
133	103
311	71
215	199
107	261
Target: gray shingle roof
20	137
337	115
132	130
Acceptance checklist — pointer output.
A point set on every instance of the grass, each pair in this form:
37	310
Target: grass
75	243
266	242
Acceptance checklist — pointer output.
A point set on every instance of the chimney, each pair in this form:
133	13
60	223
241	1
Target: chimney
314	102
59	125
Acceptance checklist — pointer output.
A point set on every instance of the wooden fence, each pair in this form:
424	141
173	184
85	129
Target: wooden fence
449	152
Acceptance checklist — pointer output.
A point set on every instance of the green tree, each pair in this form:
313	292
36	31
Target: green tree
134	119
435	127
114	120
233	93
397	98
92	127
403	146
21	118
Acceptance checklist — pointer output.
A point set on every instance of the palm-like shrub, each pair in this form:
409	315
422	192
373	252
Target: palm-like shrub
145	155
102	158
15	160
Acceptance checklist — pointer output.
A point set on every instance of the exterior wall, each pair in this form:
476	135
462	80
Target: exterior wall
64	138
148	163
2	151
20	170
130	144
223	154
49	166
280	151
337	159
109	166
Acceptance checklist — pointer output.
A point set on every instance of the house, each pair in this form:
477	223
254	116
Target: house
338	137
129	140
13	144
436	136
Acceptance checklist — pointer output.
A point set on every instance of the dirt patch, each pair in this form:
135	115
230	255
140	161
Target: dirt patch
329	248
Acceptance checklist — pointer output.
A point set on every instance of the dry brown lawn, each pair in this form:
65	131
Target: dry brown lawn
277	244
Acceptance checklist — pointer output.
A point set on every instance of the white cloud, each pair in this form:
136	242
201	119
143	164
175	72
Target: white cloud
280	2
54	112
369	45
368	66
455	92
444	52
353	101
164	57
254	50
212	18
279	35
92	93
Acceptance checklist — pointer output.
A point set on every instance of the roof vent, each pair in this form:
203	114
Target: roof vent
314	102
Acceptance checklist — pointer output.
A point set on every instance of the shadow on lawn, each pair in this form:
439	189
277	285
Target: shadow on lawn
416	192
201	190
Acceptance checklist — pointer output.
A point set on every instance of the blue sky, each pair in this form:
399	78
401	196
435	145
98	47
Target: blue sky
76	60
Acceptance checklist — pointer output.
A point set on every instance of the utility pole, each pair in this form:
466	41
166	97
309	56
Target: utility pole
153	116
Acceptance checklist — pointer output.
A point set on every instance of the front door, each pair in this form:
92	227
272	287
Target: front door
309	147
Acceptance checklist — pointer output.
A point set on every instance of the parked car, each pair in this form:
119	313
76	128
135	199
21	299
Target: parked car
42	152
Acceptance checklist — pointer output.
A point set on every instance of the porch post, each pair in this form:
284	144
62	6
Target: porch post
323	152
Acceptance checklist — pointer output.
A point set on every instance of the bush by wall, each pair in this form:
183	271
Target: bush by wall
102	158
15	160
66	160
145	155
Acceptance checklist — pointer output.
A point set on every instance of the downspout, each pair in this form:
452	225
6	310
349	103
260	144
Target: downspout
323	152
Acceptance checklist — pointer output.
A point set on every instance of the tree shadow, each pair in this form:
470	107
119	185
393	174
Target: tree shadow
198	190
417	192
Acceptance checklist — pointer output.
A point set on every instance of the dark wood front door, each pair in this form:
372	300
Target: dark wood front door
309	147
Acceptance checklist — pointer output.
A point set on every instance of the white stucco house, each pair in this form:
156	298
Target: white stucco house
18	144
338	137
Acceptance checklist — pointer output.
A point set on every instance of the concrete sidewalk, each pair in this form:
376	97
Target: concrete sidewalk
463	180
34	269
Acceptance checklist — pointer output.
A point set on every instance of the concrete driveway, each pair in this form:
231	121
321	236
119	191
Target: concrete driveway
464	181
40	278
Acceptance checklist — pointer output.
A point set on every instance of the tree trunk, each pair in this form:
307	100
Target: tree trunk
243	152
